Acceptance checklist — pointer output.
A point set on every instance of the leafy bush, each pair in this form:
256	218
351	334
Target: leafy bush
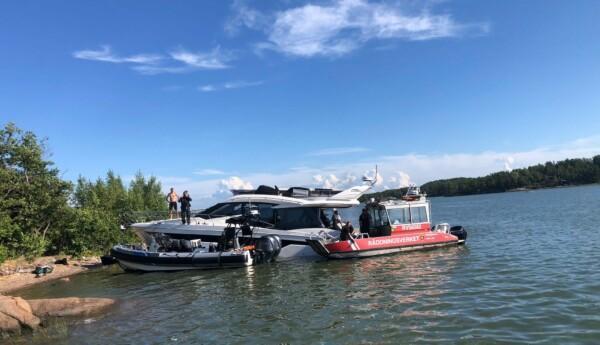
40	213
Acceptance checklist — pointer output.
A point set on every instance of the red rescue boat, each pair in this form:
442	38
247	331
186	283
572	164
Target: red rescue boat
394	226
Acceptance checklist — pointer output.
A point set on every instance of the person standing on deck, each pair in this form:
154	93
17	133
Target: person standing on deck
186	206
172	198
336	220
364	221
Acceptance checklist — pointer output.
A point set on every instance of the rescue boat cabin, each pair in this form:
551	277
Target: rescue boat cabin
391	217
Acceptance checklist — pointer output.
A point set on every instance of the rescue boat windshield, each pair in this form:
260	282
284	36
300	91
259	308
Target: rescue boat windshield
408	214
399	216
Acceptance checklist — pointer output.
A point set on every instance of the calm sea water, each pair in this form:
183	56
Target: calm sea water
530	273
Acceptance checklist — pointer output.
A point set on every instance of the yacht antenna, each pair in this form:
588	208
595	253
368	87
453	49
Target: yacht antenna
371	181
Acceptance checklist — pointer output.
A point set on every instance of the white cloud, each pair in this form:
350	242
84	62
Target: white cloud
238	84
337	151
341	26
177	61
214	59
233	182
508	162
333	181
207	88
105	54
394	171
400	179
243	17
207	172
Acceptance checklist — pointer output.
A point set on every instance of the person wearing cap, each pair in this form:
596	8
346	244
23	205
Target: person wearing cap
186	207
172	200
336	220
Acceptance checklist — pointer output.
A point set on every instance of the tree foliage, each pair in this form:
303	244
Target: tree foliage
33	199
41	213
569	172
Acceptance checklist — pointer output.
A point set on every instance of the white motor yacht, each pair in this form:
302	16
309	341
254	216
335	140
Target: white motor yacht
295	214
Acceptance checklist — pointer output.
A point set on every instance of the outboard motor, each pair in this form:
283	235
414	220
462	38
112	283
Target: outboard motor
228	239
267	248
459	232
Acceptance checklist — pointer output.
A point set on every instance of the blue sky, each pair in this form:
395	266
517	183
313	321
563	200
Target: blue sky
216	94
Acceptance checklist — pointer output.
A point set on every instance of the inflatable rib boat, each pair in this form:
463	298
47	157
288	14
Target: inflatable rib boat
166	254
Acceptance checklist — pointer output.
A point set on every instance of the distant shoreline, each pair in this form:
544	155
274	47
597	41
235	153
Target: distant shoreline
519	190
565	173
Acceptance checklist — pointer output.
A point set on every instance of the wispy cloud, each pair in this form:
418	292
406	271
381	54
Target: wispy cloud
334	151
229	85
216	59
339	27
105	54
207	172
176	61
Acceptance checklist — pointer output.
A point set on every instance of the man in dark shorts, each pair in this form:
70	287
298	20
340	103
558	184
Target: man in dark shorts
172	199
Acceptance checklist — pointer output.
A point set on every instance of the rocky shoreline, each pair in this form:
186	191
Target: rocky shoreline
18	314
18	274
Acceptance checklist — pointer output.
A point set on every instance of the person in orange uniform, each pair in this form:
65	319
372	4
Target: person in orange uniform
172	199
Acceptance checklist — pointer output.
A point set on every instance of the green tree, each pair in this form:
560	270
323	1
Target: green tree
33	199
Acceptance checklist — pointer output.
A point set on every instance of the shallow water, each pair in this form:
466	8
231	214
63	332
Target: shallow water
530	273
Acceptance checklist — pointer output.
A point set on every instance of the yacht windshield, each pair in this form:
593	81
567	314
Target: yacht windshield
226	209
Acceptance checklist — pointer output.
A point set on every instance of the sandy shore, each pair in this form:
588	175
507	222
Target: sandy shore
16	274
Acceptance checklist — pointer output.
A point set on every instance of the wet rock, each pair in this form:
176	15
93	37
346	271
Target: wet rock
16	313
65	279
70	306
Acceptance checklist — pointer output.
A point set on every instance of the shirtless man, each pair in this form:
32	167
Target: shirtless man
172	198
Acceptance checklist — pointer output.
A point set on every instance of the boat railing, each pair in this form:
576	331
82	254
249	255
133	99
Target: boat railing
153	215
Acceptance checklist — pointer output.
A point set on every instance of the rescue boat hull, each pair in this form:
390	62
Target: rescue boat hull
385	245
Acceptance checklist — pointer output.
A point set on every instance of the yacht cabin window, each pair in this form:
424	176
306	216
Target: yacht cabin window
297	218
237	208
